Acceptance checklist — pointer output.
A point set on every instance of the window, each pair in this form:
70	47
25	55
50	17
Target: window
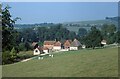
36	50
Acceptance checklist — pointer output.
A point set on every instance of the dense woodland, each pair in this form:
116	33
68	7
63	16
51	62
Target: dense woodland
14	41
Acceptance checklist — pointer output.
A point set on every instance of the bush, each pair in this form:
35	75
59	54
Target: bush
13	54
25	47
9	56
6	57
21	47
24	55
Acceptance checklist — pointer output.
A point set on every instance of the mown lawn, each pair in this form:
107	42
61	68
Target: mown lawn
82	63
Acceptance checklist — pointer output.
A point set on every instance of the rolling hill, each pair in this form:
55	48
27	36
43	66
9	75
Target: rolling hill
81	63
74	26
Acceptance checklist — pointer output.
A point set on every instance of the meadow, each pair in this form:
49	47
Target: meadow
81	63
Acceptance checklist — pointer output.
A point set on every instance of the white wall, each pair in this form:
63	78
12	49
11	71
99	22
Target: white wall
83	46
46	51
64	50
103	43
36	51
73	48
57	48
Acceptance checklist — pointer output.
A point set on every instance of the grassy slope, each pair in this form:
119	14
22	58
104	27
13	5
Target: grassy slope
83	63
92	22
75	29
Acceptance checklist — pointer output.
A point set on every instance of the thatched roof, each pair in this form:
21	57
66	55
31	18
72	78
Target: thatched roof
34	43
76	43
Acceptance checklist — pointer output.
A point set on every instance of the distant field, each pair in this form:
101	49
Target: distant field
75	29
94	22
82	63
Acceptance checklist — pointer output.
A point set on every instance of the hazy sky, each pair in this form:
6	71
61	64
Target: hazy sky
56	12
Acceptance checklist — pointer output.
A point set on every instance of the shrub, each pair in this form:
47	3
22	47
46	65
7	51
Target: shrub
9	56
21	47
6	57
24	55
13	54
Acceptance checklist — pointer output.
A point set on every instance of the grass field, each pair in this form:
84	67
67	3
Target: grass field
75	29
82	63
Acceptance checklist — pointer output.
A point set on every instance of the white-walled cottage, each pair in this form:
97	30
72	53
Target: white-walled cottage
75	45
36	51
57	46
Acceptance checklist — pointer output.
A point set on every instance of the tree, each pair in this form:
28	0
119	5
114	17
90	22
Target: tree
6	57
108	29
72	35
9	35
0	28
22	47
118	37
27	46
94	38
57	32
82	32
111	28
109	33
13	54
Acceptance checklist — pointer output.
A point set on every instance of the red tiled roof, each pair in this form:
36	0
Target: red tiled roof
45	48
57	43
42	48
67	43
49	42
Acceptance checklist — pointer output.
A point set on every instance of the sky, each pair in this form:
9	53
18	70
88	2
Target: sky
59	0
58	12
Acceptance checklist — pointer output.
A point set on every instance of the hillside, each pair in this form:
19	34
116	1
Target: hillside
73	26
19	26
93	22
81	63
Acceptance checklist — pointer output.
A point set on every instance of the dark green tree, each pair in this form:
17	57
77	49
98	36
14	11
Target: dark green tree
109	33
82	32
27	46
94	38
9	35
118	37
